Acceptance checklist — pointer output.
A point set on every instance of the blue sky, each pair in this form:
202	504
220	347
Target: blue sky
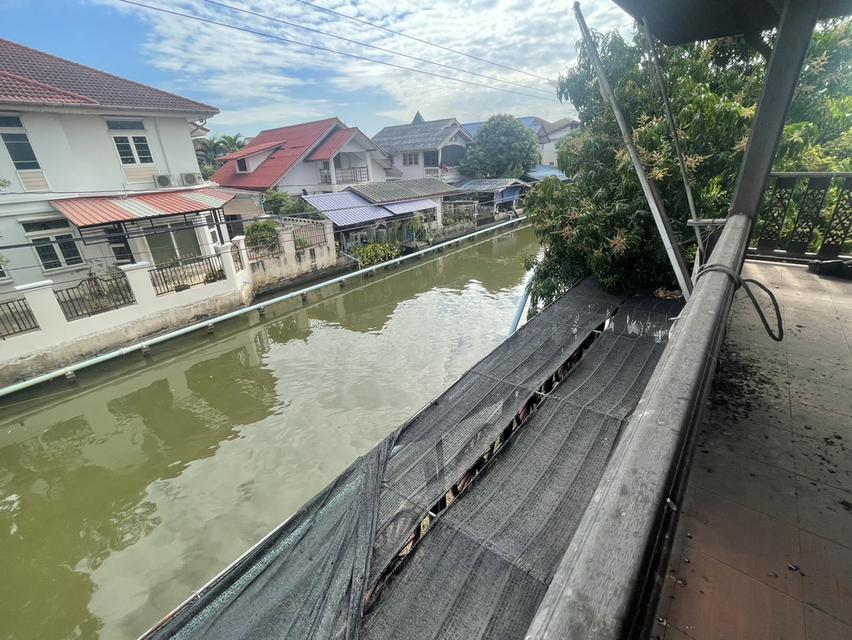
258	82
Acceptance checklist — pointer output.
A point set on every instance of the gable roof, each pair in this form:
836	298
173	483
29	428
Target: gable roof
560	124
417	136
537	125
249	150
297	140
36	77
334	143
400	190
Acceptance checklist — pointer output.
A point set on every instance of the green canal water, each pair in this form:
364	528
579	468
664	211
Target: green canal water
123	493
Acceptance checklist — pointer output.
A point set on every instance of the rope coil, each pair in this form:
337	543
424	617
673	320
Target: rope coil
740	282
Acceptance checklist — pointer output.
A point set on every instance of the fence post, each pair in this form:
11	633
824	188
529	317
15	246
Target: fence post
228	265
287	242
240	243
45	307
140	283
328	227
439	211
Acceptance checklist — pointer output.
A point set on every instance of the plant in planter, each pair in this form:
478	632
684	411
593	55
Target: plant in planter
214	276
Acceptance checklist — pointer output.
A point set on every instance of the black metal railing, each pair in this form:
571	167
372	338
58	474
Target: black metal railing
237	255
345	176
95	294
261	251
183	274
16	317
805	214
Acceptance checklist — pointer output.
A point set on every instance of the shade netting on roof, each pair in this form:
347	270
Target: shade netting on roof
453	526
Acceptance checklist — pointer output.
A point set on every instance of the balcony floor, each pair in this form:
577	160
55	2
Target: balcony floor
764	543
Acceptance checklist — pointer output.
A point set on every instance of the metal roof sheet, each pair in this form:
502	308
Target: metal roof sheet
412	205
489	184
543	171
87	212
345	208
415	137
400	190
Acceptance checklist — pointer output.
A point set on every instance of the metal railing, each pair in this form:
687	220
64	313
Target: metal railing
307	233
183	274
345	176
237	255
805	214
16	317
261	251
95	294
432	172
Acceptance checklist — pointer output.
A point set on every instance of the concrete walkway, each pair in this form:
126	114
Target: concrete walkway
764	544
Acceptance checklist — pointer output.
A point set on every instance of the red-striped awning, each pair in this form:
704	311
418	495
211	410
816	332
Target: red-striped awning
87	212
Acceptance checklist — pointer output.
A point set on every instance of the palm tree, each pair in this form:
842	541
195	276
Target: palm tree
208	149
232	143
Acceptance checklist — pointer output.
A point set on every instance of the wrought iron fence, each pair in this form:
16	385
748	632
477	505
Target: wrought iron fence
345	176
95	294
237	255
183	274
16	317
261	251
307	233
806	213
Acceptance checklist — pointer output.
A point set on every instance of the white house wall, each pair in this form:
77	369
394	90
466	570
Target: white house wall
410	171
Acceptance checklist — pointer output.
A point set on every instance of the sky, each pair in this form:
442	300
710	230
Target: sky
259	82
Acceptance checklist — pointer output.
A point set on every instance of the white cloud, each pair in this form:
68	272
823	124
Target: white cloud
259	82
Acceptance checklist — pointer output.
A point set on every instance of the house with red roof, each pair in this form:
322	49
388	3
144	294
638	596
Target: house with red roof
313	157
97	171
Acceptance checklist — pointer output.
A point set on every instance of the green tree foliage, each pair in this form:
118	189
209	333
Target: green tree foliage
262	234
207	149
280	203
599	224
502	148
375	253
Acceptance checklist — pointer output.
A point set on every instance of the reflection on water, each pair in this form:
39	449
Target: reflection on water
120	497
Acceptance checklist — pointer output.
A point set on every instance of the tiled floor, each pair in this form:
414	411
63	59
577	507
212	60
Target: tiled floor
763	548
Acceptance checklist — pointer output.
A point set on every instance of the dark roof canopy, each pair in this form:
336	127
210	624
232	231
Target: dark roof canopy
680	21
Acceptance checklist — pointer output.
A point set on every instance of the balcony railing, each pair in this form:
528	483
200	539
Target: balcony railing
16	317
183	274
345	176
806	214
95	294
433	172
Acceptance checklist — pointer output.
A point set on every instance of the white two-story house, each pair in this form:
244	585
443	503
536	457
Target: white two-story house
95	170
313	157
425	148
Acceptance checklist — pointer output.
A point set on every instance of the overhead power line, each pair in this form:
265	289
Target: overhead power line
376	47
422	41
264	34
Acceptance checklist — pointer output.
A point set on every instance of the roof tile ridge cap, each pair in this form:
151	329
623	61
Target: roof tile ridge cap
107	73
38	83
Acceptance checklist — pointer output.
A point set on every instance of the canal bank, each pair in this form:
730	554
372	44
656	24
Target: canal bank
122	495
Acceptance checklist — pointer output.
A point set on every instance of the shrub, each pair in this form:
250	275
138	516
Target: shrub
375	253
262	234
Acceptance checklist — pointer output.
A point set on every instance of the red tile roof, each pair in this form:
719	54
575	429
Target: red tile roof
299	139
69	83
332	145
86	212
249	151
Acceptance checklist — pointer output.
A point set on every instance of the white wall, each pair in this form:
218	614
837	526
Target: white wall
410	171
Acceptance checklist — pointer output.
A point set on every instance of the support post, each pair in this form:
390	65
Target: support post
651	195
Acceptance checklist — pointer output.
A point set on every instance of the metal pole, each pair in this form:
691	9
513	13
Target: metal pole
654	202
661	88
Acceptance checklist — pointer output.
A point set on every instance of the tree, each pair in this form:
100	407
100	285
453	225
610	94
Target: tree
502	148
599	223
207	149
232	143
281	203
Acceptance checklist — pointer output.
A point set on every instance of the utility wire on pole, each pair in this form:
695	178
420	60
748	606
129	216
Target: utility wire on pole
263	34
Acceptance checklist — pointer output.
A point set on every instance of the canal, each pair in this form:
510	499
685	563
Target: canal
123	493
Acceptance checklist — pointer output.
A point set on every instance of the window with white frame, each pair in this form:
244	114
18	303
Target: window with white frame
54	243
132	147
3	274
409	159
17	143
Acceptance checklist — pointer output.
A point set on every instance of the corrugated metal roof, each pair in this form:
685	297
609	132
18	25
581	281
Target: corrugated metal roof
489	184
537	125
416	137
412	205
87	212
543	171
401	190
345	208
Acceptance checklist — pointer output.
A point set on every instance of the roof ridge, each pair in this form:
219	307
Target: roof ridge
44	85
299	124
111	75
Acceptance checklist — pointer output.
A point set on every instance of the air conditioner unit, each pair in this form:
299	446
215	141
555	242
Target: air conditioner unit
163	180
191	179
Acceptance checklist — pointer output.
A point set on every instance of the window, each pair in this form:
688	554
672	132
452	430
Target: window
133	149
242	167
410	159
3	274
125	125
54	250
13	122
21	151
